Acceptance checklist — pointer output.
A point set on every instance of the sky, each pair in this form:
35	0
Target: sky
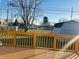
50	8
55	10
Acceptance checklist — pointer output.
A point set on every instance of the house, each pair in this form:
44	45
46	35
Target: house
3	22
42	27
68	28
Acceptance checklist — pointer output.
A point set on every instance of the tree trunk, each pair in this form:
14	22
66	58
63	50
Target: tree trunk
26	29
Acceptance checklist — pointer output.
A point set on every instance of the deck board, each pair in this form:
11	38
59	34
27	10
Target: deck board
28	53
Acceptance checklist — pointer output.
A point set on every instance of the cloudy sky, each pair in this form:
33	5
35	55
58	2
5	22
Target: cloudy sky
54	9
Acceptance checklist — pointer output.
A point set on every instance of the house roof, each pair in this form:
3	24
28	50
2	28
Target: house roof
58	25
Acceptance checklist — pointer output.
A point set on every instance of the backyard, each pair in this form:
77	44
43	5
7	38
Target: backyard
37	29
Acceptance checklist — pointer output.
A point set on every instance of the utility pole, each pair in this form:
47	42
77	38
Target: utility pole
11	16
8	10
72	13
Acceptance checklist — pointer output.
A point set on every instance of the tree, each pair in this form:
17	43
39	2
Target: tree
27	9
16	23
45	21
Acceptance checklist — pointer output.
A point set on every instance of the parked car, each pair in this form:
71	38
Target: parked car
1	43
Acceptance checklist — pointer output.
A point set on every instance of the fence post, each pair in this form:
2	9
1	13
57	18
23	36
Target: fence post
34	42
54	45
14	43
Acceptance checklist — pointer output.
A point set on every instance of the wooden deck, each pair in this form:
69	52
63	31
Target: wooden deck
26	53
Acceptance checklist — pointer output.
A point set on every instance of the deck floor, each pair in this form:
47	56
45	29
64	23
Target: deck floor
27	53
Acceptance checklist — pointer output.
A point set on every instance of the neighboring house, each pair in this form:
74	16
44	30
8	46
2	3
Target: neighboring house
67	28
42	27
3	22
37	27
5	25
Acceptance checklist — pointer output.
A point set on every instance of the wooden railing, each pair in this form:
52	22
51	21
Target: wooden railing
37	40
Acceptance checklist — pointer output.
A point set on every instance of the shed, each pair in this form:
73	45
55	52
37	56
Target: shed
67	28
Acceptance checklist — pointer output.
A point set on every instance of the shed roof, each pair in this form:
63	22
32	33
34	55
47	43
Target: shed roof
58	25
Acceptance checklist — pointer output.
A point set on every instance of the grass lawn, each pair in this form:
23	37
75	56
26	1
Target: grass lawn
39	31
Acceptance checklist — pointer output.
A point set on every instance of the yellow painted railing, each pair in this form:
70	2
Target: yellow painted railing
38	40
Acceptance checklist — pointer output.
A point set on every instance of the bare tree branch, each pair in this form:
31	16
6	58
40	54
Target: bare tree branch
27	10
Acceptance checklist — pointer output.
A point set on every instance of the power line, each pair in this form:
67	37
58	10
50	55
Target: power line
57	10
60	10
65	13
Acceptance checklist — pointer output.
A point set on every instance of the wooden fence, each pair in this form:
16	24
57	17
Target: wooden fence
37	40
